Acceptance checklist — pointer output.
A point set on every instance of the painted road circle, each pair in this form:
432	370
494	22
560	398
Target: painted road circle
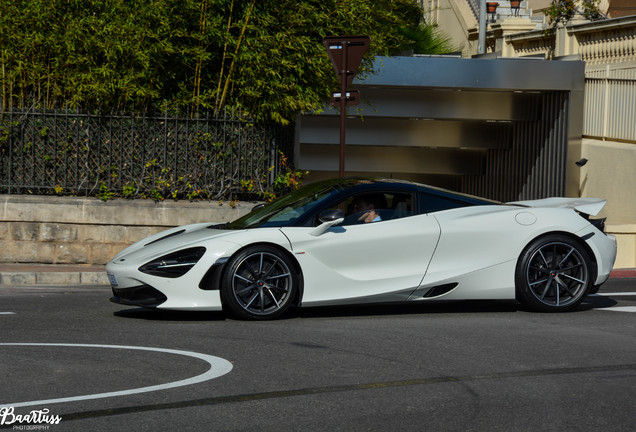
218	367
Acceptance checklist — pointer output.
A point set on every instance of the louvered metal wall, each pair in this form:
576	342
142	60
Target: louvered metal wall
503	129
534	165
610	103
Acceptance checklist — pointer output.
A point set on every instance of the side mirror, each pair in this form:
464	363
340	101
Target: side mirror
328	218
257	207
331	216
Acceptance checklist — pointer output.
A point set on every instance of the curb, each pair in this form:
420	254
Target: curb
51	275
623	274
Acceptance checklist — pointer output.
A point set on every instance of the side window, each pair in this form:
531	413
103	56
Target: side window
375	207
430	203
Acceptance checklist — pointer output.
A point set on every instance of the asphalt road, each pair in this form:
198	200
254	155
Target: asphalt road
68	354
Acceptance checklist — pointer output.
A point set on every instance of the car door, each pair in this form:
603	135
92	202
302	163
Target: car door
379	261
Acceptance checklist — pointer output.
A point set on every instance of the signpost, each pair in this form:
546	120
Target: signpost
352	97
345	53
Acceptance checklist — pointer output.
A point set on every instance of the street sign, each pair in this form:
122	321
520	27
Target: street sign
354	47
352	98
345	53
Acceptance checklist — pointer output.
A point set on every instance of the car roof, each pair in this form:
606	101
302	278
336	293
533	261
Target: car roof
376	183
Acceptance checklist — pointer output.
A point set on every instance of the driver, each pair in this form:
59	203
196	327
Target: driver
369	207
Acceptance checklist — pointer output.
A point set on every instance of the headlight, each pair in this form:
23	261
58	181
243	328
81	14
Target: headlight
175	264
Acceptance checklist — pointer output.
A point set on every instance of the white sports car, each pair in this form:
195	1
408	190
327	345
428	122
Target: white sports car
363	240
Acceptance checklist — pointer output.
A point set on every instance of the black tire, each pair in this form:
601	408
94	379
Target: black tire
554	274
259	283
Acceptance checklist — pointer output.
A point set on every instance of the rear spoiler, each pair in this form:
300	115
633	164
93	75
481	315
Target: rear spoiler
588	206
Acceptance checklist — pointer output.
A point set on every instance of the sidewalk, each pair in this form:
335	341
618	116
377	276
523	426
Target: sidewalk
623	273
68	274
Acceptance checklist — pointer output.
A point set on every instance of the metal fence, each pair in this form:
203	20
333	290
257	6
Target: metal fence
72	152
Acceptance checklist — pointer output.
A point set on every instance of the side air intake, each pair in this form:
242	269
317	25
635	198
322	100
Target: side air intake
440	289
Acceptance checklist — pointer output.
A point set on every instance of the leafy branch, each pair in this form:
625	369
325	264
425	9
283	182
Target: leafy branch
265	57
560	12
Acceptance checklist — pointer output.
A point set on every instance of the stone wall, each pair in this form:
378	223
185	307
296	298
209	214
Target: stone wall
65	230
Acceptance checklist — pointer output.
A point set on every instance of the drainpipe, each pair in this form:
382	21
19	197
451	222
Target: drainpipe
481	48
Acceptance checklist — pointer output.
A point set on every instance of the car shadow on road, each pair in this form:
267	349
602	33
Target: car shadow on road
438	307
361	310
596	302
366	310
169	315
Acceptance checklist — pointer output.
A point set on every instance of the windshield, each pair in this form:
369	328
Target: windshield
288	209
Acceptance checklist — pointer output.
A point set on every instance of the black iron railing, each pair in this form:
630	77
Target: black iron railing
73	152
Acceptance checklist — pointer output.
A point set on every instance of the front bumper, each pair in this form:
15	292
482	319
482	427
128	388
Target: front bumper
143	296
133	288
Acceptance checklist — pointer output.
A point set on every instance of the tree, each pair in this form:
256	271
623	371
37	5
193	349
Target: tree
426	39
263	56
561	11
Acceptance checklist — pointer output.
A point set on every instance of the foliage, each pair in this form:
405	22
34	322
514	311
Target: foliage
265	56
286	180
426	39
159	187
156	157
561	11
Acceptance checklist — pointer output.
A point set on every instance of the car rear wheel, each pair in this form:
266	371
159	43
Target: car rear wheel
554	274
259	283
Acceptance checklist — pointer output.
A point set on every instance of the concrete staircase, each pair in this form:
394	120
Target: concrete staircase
506	10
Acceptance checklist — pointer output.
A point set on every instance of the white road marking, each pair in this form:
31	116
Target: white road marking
616	308
218	367
619	309
7	313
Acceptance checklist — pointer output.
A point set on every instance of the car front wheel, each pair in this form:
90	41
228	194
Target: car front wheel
259	283
554	274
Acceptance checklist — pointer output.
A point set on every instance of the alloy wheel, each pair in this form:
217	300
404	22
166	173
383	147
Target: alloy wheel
557	274
262	283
